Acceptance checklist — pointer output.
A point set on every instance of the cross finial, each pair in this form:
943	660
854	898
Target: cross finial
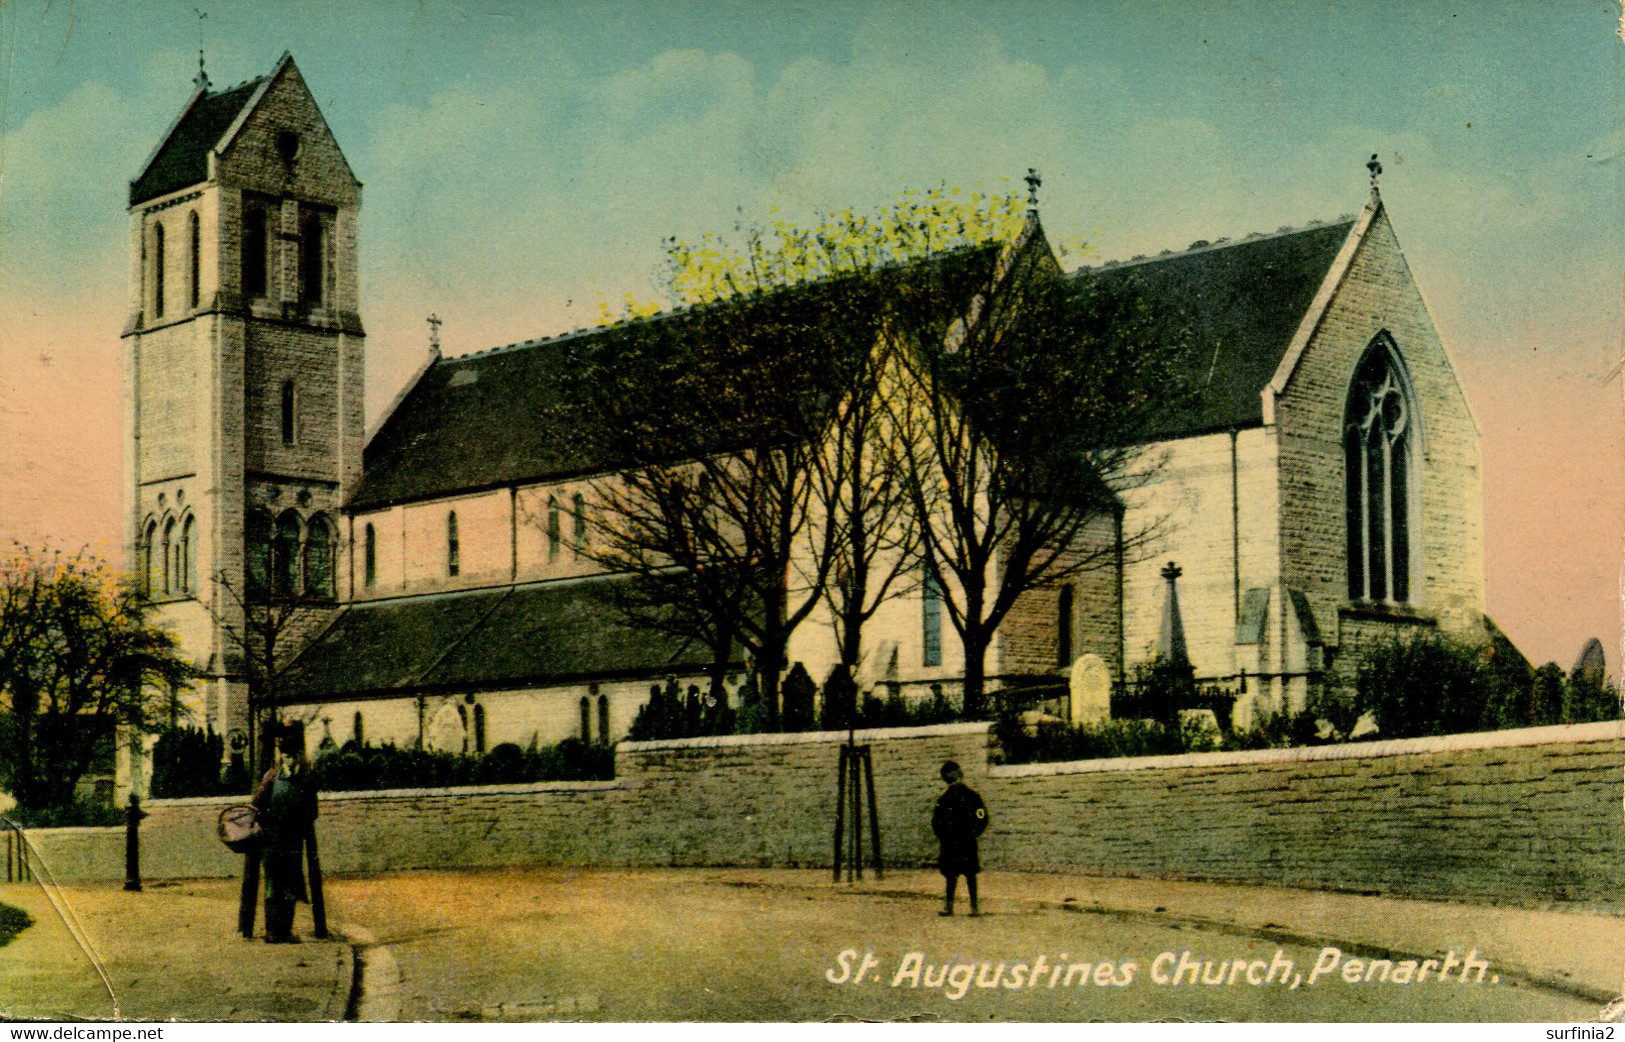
1375	168
1033	184
202	79
434	333
1172	571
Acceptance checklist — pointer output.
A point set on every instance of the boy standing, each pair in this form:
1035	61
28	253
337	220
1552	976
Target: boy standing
960	817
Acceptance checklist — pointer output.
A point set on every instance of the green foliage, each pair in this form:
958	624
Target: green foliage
1429	684
13	921
1051	742
79	656
353	768
186	762
896	711
76	813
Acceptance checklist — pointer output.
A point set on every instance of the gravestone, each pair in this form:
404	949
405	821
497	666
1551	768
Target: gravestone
1091	691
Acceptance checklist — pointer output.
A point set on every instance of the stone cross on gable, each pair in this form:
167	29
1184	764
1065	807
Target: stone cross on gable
434	333
1034	182
1375	168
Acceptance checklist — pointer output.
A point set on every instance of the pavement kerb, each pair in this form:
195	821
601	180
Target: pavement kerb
375	991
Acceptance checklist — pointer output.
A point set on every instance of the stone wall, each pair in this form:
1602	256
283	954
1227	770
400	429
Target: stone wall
1526	817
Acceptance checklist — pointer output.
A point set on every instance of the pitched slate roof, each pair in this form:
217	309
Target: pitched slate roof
531	635
183	158
475	422
1242	303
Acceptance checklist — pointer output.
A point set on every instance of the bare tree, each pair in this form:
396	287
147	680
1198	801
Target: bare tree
1029	399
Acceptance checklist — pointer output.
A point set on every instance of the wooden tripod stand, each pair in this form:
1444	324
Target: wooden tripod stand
855	780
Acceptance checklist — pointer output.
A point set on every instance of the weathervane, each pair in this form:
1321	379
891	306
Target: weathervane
1375	168
434	333
1033	183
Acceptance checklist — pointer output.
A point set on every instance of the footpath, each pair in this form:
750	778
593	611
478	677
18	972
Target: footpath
96	952
172	952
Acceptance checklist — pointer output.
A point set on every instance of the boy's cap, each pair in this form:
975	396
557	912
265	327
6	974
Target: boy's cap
948	768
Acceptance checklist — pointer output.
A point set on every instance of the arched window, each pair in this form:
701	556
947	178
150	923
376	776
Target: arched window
603	719
289	416
586	719
580	533
254	243
188	555
285	556
1378	436
170	576
479	729
359	735
1063	629
454	562
158	270
931	620
552	527
312	251
152	567
369	556
319	558
193	261
258	539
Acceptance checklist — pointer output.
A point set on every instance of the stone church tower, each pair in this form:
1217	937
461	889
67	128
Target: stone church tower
244	354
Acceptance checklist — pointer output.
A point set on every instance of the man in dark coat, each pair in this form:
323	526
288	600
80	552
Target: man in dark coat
286	802
960	817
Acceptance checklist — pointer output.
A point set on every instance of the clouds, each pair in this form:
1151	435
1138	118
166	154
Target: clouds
524	161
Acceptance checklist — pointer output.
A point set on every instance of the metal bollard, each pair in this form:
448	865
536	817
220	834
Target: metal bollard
132	843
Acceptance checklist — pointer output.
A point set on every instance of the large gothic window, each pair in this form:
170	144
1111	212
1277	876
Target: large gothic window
170	575
1378	439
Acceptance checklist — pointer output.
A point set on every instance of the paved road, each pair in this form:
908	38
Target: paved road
738	945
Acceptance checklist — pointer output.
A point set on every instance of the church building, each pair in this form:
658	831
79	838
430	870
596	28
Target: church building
429	582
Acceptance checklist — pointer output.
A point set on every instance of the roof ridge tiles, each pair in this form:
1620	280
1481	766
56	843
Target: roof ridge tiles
1222	242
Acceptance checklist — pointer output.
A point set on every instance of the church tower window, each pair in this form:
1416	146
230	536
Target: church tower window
285	556
369	556
312	257
193	261
289	416
170	577
319	559
258	538
152	571
188	555
930	620
1378	437
158	271
254	243
453	549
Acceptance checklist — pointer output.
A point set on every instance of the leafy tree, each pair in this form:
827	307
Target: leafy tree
1026	401
79	657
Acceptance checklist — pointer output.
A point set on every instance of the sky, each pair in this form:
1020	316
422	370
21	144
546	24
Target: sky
522	162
